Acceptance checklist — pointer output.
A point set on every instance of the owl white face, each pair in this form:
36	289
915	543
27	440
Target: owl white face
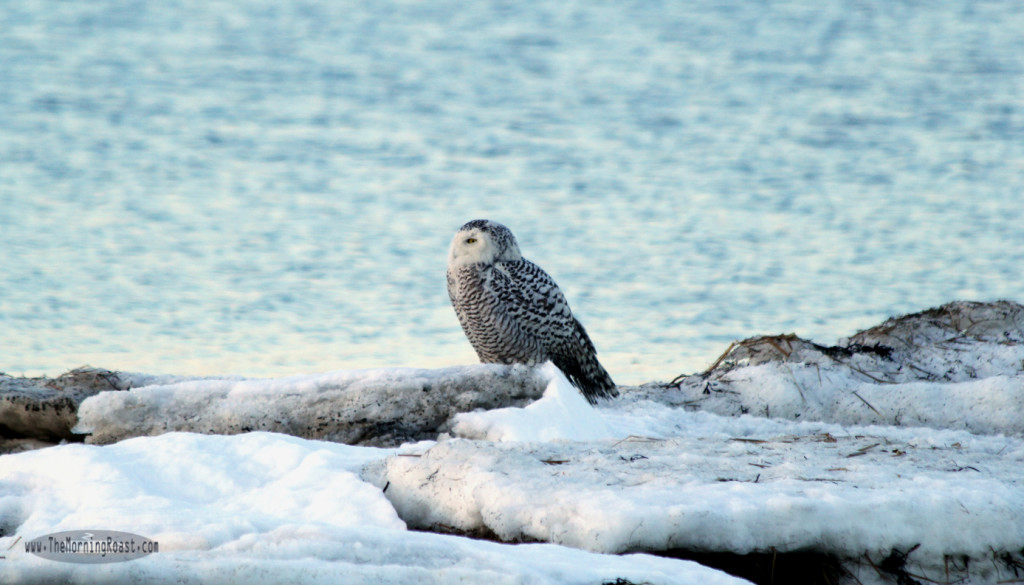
474	245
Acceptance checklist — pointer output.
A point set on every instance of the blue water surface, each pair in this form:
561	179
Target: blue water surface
266	187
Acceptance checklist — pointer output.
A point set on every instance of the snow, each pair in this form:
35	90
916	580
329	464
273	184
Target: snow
378	407
903	442
561	414
958	366
989	405
742	486
264	508
906	440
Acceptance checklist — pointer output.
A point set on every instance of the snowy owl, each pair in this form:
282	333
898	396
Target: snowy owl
513	312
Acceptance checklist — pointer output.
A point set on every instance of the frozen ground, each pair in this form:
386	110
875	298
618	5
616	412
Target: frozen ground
768	493
264	509
699	483
912	491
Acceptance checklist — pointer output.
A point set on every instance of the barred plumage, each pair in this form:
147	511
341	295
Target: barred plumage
513	312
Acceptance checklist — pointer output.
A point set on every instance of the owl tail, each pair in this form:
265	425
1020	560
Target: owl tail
591	379
584	371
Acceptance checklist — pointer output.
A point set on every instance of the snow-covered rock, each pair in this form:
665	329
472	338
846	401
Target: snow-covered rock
959	366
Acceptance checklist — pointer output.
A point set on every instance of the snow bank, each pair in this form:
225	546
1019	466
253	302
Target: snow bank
959	366
991	405
364	407
263	508
896	454
731	485
840	460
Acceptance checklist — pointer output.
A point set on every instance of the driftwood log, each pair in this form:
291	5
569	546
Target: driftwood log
385	407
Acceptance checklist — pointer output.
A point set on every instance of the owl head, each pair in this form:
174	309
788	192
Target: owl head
483	241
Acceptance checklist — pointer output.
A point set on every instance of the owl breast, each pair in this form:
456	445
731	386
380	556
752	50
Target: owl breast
489	310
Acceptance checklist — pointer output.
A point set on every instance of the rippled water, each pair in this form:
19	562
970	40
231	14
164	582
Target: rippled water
265	188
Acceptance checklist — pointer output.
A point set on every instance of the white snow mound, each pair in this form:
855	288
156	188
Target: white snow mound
264	508
561	414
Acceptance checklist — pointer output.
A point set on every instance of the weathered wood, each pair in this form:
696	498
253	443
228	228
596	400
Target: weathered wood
369	407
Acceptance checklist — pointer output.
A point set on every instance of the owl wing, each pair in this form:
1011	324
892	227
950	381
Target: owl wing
534	301
539	308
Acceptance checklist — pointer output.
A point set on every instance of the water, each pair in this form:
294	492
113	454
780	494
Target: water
265	188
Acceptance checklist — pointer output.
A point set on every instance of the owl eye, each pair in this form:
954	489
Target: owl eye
470	240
